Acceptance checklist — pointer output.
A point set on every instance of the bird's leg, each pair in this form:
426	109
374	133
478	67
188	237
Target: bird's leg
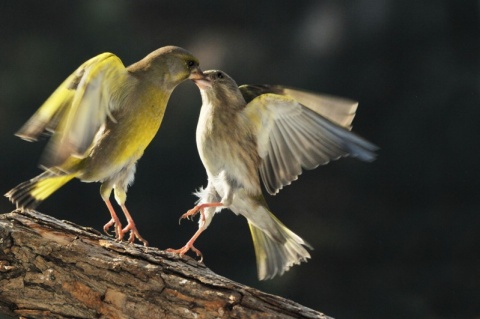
199	208
189	245
132	228
114	221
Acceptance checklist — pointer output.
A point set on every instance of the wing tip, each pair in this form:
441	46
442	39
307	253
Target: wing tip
27	137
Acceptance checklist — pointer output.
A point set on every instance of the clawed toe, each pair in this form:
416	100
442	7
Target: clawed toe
118	229
120	233
182	251
133	234
189	214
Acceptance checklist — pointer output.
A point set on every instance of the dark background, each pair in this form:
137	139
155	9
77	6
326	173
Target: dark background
396	238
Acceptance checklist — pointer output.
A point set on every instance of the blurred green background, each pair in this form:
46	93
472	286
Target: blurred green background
396	238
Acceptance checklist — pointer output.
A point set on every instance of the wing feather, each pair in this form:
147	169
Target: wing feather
292	136
46	118
77	110
338	110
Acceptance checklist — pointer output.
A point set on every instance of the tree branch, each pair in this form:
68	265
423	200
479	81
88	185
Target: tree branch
55	269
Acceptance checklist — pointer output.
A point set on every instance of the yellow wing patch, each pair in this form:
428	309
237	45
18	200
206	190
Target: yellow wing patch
77	109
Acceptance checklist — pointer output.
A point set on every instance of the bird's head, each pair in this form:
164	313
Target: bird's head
216	85
168	66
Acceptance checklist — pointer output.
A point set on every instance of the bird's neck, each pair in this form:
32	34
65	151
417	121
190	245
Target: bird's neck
146	72
223	102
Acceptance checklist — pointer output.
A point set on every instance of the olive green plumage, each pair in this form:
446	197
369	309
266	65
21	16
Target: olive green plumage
102	117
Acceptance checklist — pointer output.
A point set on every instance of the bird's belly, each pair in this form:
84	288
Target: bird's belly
99	171
227	165
114	154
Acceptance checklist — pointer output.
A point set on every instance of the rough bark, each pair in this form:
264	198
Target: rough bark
55	269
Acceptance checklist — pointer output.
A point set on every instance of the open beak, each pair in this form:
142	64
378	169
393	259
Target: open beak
200	79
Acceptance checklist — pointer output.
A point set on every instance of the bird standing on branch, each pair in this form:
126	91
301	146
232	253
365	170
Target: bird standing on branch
102	117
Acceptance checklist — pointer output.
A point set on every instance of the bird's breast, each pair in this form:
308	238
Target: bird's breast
228	148
125	139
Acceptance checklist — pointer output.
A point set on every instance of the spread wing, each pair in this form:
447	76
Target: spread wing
77	110
290	136
338	110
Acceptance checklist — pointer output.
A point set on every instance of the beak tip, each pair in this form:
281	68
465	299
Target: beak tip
200	79
196	74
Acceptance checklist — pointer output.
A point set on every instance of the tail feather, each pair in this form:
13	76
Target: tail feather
31	193
277	249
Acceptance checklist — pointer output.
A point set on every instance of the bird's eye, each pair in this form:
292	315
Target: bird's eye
220	75
191	63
